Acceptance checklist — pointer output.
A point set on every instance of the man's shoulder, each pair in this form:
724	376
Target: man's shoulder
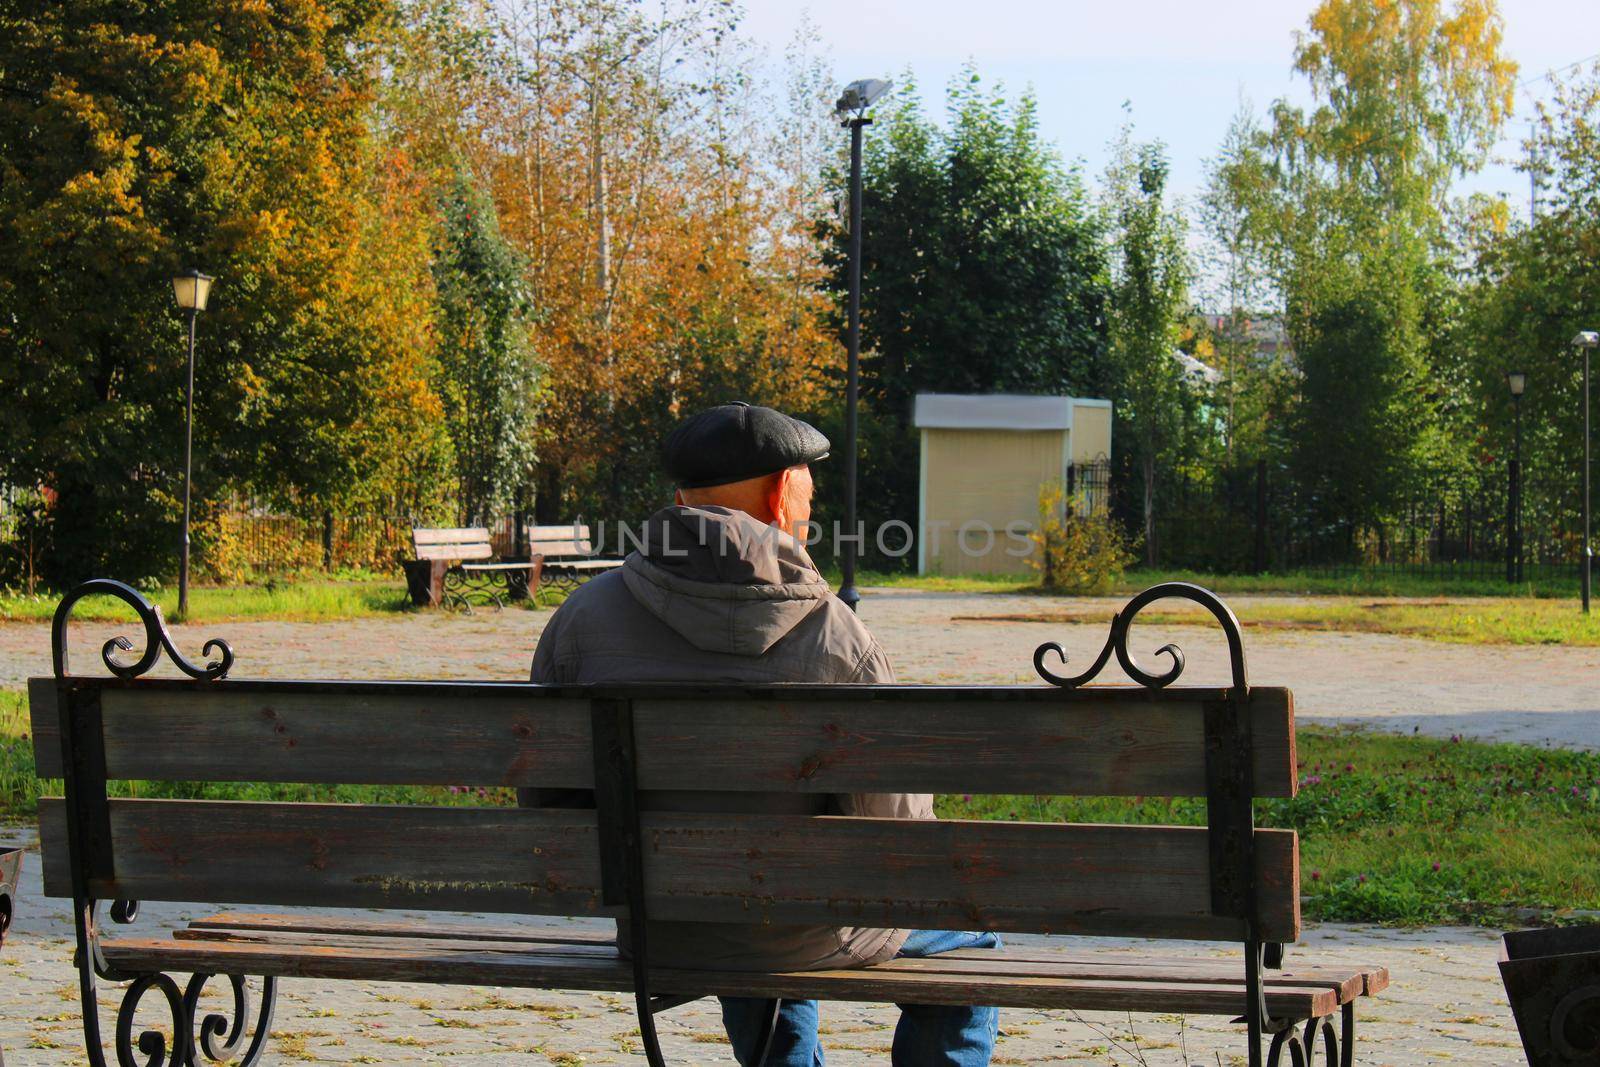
836	640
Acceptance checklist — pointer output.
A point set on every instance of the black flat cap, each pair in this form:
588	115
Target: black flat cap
732	442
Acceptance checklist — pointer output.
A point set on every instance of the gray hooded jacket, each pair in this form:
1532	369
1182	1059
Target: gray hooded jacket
715	596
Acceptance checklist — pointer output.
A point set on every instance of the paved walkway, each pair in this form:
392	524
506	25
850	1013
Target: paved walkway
1446	1005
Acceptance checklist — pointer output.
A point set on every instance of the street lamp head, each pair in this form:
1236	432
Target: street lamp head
192	289
1517	381
860	95
1587	339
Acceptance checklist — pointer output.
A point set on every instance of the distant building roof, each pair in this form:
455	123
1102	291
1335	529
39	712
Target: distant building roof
964	411
1196	371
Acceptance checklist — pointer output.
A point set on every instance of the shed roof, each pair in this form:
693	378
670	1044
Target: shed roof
963	411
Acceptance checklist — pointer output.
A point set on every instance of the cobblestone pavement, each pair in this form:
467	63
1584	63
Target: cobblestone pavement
1446	1004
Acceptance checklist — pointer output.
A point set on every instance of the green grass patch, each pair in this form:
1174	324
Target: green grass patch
1464	621
1373	582
301	601
309	600
1402	830
1480	621
1393	829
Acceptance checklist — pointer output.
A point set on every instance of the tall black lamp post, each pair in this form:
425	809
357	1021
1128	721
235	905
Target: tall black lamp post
852	112
1516	381
192	290
1586	340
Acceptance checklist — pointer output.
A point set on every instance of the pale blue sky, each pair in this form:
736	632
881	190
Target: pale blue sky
1181	64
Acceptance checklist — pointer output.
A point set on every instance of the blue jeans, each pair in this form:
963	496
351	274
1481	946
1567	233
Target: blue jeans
929	1035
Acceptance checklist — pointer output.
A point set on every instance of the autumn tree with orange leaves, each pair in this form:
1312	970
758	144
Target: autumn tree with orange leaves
664	226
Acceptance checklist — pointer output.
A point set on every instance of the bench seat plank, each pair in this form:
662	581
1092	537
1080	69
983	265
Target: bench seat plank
451	553
1349	981
961	981
339	924
1346	983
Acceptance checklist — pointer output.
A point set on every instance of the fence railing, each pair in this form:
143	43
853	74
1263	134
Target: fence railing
1251	519
1247	518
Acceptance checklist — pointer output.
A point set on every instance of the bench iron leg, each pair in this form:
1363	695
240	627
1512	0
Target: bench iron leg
214	1026
1301	1045
152	1043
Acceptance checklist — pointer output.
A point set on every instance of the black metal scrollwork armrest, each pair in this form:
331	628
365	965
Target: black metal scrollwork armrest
156	636
1117	641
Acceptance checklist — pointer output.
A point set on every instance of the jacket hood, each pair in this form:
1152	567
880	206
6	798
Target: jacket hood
721	579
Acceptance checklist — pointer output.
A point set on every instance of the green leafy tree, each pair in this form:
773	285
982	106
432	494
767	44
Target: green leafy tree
982	271
137	140
1534	286
1149	298
1352	194
488	379
1251	396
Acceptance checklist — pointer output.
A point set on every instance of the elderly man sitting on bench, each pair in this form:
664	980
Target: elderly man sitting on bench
723	591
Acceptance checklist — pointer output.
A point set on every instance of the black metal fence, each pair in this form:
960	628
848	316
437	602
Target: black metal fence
1254	518
1247	518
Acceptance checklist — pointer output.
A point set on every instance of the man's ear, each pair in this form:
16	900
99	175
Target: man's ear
778	498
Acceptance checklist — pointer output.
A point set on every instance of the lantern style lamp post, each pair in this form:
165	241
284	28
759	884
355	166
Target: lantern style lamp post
852	112
1587	340
192	289
1516	381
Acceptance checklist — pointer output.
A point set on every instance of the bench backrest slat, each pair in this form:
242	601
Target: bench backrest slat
1105	743
466	543
1022	877
1110	880
341	855
569	540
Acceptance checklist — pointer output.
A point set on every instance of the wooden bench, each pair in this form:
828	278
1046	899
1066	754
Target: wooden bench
566	554
455	567
1228	881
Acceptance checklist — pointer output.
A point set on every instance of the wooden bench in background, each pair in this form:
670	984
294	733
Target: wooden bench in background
456	567
1227	881
566	554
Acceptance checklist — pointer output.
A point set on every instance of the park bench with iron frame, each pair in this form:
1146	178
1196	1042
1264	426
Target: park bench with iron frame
567	555
1225	881
457	567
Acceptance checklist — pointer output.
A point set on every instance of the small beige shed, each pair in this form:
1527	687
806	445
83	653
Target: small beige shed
984	459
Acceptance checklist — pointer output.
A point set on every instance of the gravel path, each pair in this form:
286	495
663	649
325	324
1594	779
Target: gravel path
1446	1004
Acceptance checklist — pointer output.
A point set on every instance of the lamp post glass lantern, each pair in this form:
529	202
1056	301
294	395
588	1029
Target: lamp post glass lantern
192	290
852	112
1586	340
